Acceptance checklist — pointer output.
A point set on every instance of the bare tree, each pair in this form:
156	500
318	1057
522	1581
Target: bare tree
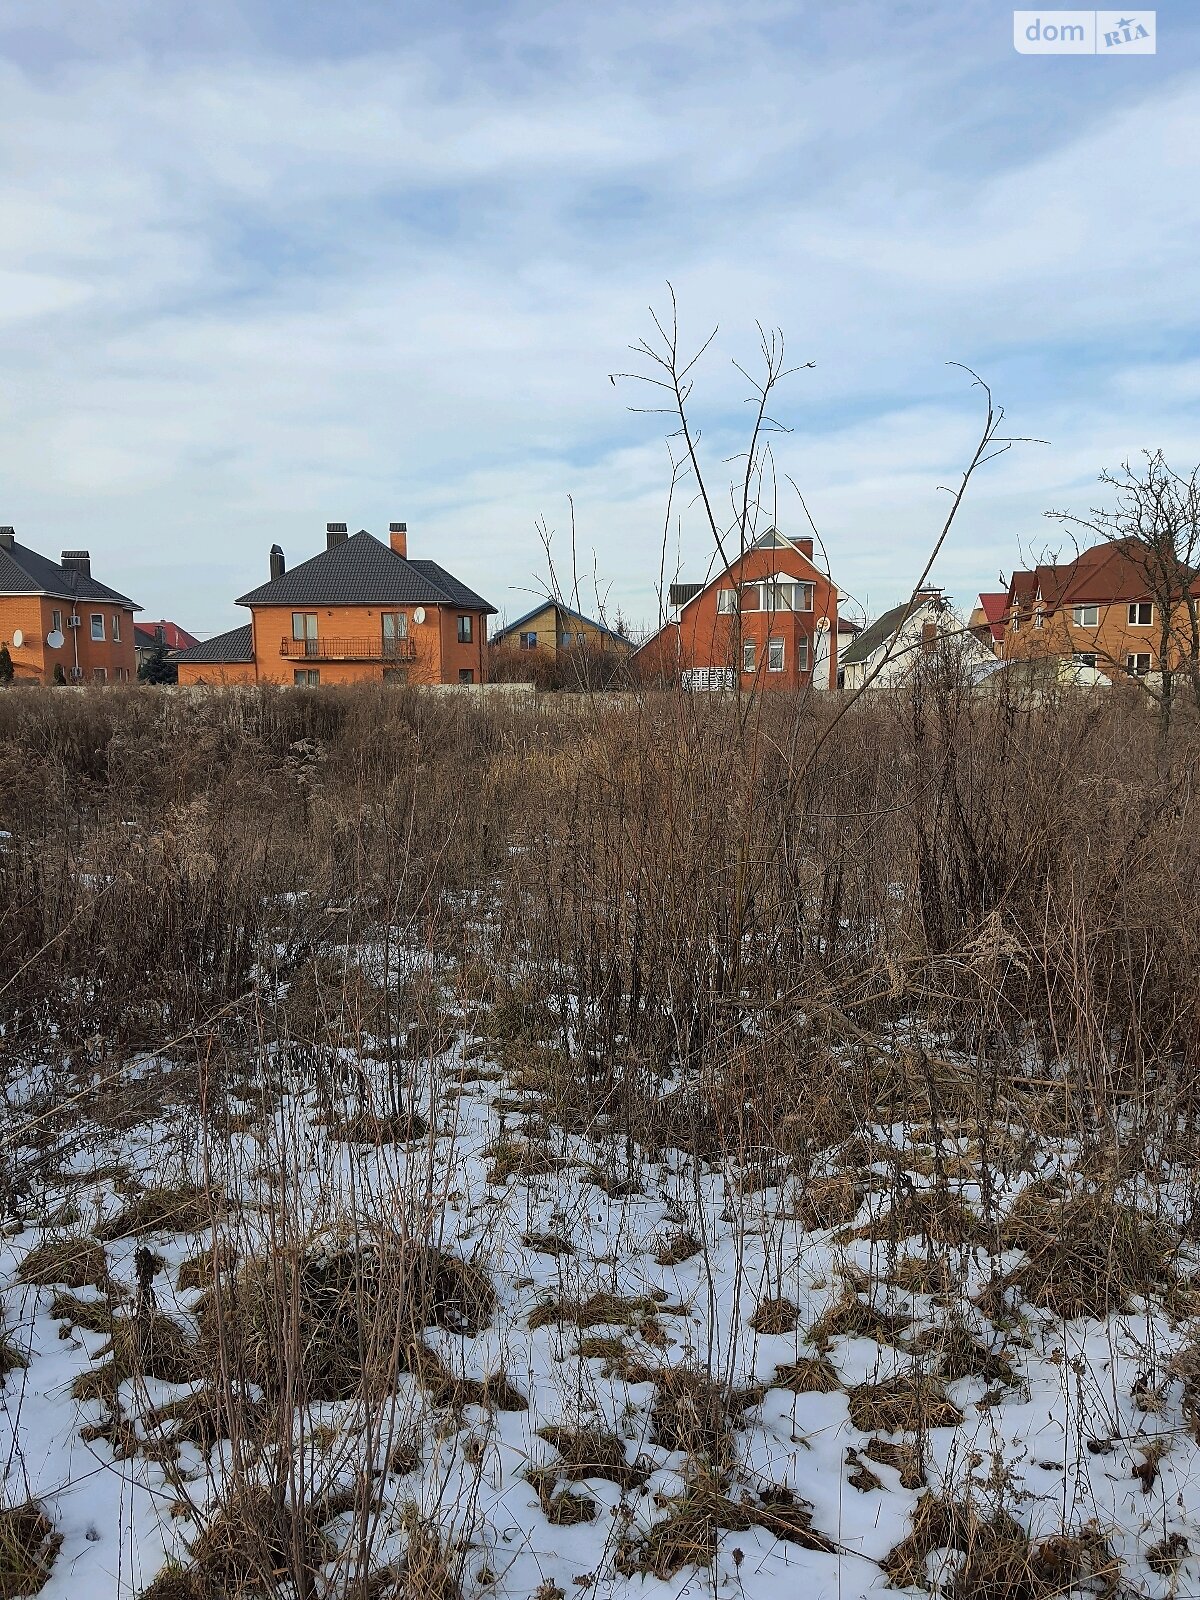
1156	520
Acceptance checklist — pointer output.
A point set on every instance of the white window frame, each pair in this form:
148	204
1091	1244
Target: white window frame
1135	621
1085	658
116	633
1039	620
802	653
1080	614
726	601
749	655
466	628
99	674
528	640
96	619
776	656
56	622
1131	663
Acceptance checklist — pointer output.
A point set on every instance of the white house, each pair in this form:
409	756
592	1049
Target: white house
896	642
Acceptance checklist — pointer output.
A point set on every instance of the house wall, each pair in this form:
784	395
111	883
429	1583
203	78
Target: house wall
550	626
1110	641
709	638
35	661
438	659
220	674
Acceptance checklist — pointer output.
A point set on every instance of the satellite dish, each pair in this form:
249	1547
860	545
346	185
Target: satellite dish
419	615
55	640
18	638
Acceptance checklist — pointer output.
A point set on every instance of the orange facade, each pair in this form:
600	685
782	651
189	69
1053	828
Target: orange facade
97	649
1099	610
764	623
358	612
348	644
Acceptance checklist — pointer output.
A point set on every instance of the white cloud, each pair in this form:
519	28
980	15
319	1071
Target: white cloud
242	294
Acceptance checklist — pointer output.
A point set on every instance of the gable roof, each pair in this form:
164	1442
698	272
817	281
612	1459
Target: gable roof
236	645
563	611
1100	575
362	571
879	633
24	571
771	540
145	636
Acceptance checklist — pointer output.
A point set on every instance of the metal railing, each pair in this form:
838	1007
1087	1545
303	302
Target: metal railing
332	648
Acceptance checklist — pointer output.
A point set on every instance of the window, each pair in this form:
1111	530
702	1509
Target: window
1141	614
748	655
465	675
775	655
1014	623
750	598
100	674
726	599
1084	658
568	640
306	677
1139	664
464	630
56	622
116	627
1086	616
304	631
1039	620
97	625
528	641
801	653
804	596
395	631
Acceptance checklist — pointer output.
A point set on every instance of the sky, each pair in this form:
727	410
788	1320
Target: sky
266	264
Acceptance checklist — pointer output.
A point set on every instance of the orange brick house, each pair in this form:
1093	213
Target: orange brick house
54	614
359	612
764	622
1099	611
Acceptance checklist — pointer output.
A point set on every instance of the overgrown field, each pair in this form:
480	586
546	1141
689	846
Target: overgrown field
603	1147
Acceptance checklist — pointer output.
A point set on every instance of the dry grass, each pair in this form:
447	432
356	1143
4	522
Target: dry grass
592	1453
808	1375
776	1315
850	1317
910	1402
28	1546
74	1262
183	1208
145	1346
1088	1254
355	1309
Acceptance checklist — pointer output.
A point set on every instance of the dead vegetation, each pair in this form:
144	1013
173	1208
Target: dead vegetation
28	1547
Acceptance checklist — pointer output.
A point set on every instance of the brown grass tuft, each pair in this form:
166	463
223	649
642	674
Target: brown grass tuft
775	1316
907	1403
74	1262
28	1546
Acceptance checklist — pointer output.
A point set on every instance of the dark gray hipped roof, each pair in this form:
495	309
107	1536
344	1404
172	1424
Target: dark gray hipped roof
23	571
880	631
236	645
362	571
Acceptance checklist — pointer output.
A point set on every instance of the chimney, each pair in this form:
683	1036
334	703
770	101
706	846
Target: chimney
8	537
805	547
929	637
77	561
278	565
335	534
398	538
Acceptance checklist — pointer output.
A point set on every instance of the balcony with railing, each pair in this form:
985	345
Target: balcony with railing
334	648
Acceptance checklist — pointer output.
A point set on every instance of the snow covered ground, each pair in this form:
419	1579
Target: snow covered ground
757	1460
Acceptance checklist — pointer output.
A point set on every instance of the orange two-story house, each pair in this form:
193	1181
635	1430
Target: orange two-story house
359	612
55	615
1100	611
767	621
